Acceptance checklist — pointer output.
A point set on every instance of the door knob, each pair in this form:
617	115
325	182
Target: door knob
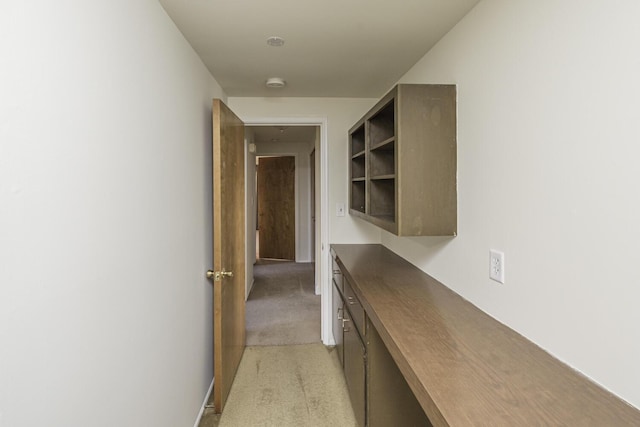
218	275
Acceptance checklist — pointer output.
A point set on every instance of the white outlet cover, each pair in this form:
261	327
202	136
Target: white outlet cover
496	266
339	209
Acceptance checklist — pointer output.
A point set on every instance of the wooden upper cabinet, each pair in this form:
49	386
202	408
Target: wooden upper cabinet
403	162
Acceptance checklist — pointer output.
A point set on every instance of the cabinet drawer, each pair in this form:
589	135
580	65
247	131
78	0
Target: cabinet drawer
338	307
355	371
337	275
352	303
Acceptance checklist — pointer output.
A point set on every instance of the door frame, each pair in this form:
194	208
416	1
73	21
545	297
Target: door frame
323	266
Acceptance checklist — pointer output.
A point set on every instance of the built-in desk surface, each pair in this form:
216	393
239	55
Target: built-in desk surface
464	367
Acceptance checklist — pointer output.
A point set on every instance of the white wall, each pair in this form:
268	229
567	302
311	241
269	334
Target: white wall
301	152
105	216
548	173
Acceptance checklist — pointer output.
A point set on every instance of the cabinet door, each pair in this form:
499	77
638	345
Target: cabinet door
338	307
354	368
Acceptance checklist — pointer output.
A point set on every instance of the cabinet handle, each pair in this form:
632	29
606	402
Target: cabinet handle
344	328
351	300
336	272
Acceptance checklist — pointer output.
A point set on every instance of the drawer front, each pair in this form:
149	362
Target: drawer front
338	307
337	275
355	308
355	372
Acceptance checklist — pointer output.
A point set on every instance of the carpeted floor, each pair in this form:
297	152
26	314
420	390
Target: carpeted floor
286	376
282	307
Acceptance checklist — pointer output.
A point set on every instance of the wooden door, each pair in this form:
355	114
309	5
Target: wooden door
276	207
228	249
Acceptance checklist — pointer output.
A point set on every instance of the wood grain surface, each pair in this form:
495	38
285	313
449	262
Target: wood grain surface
277	207
464	367
228	249
410	147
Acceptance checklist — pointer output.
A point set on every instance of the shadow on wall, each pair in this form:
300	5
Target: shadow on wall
419	251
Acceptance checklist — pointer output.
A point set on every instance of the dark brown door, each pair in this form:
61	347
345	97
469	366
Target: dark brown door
228	249
276	207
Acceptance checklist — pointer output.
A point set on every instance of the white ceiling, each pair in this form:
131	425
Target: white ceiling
336	48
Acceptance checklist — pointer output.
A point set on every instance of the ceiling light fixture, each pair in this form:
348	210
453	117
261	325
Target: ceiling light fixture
275	82
275	41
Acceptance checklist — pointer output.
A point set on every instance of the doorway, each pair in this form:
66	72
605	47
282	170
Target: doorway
270	144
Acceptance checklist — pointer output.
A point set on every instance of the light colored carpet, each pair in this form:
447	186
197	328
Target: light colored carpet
280	382
282	308
294	385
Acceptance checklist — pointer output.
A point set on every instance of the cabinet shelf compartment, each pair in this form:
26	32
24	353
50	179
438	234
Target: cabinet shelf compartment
357	195
358	167
388	176
383	145
382	126
357	141
382	160
383	199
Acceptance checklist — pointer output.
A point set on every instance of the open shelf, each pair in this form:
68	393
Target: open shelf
388	176
358	195
382	160
358	167
387	144
357	141
383	124
383	198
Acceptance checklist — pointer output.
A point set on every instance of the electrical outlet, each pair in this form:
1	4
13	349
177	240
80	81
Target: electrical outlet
339	209
496	266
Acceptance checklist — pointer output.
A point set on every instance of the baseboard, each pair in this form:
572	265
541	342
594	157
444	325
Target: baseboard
204	404
246	297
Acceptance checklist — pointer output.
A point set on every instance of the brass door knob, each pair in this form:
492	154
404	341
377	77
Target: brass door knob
218	275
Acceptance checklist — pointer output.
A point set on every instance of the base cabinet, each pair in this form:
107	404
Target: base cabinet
338	334
354	370
350	344
379	394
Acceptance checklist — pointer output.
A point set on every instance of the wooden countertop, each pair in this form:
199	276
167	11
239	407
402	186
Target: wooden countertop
465	367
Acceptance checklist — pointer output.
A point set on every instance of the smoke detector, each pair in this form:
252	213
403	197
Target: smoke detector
275	82
275	41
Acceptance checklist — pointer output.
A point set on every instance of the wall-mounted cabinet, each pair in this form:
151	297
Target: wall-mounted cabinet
403	162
